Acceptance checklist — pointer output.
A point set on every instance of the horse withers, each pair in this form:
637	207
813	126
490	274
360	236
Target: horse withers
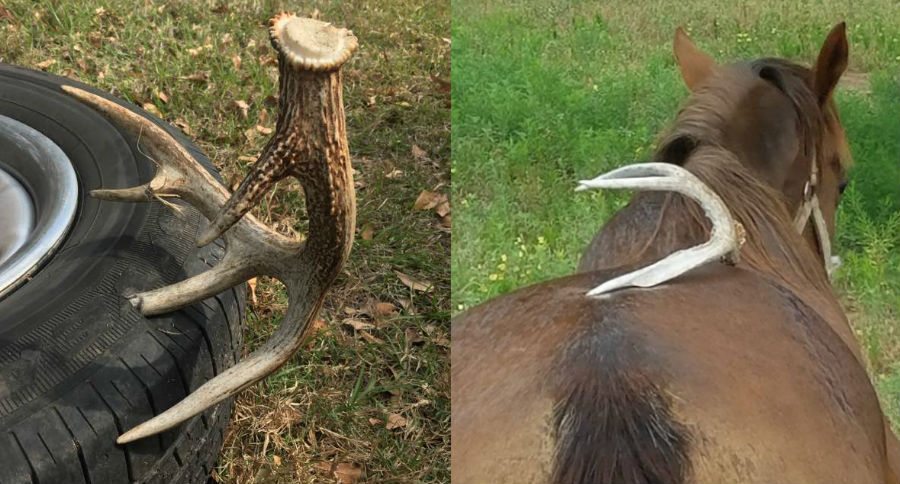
727	374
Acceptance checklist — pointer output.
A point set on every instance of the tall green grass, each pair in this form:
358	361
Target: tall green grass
546	93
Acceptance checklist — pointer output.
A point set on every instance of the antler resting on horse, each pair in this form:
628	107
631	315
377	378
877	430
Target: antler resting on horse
310	144
726	236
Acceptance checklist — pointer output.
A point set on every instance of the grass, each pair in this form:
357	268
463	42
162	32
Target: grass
549	92
327	410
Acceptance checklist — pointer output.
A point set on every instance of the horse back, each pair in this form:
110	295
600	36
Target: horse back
720	376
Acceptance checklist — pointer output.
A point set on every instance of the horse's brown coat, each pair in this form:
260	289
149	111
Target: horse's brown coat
728	374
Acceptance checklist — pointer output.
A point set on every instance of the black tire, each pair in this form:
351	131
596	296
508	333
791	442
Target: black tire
78	365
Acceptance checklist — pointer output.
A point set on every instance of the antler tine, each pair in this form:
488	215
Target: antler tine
275	352
725	238
309	143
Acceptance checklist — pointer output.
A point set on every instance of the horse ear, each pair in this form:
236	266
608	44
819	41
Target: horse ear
831	63
695	65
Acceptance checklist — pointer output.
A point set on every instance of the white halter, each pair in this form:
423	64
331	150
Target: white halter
810	207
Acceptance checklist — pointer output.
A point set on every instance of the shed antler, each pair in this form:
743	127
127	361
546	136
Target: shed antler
310	144
726	236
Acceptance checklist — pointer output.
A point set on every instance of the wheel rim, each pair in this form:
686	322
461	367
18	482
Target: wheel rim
38	200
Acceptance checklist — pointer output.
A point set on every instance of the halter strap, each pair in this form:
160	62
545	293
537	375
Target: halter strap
810	208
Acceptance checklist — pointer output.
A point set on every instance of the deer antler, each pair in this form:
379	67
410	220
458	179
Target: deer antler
310	144
726	236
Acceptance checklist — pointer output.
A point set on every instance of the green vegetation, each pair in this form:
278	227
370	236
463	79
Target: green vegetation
369	395
549	92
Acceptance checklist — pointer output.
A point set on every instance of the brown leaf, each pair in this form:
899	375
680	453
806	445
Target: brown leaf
276	460
347	473
162	96
395	421
45	64
443	85
367	232
264	130
383	309
252	284
414	284
236	62
6	14
151	108
371	339
375	421
182	124
443	209
447	221
358	324
243	107
428	200
413	337
199	76
419	153
394	174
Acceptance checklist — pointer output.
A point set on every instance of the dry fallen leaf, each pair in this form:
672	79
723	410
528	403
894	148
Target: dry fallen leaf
413	337
375	421
199	76
347	473
236	62
414	284
371	339
243	107
276	460
162	97
394	174
252	284
151	108
358	324
383	309
183	126
395	421
428	200
443	85
367	232
443	208
264	130
419	153
45	64
6	14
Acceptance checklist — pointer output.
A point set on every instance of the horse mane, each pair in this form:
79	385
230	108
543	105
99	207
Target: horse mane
773	246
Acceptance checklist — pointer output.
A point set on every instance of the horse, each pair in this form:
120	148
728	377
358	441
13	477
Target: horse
730	373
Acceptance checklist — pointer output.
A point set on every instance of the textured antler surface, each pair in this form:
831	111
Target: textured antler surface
309	143
726	236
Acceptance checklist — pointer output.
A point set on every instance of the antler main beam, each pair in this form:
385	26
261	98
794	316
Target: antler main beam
726	236
310	144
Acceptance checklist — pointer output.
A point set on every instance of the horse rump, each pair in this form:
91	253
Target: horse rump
612	421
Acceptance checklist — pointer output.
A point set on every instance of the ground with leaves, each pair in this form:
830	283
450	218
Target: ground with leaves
548	92
368	399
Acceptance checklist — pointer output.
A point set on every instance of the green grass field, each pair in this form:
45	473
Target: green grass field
365	402
549	92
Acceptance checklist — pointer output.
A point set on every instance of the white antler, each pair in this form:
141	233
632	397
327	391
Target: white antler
726	236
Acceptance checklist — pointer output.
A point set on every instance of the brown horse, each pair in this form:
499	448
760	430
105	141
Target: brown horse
727	374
